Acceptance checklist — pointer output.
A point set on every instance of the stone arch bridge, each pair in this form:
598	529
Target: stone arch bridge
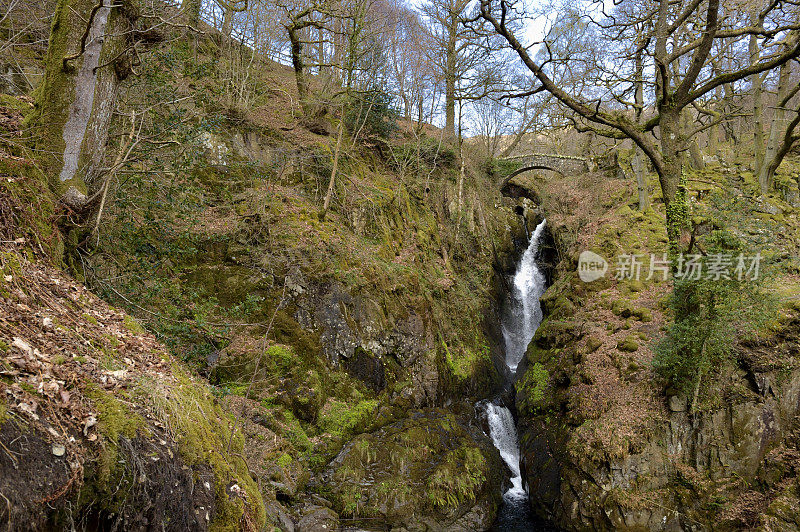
562	164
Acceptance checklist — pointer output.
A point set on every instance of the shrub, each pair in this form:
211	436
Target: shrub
710	316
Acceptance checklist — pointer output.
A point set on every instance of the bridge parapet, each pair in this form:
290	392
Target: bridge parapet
563	164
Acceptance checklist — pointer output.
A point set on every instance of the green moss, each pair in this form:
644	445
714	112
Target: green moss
284	460
462	362
90	319
628	345
29	388
553	334
296	434
537	378
636	285
114	418
2	412
281	357
561	308
458	478
341	419
33	206
208	435
533	386
622	308
677	215
643	314
132	325
593	344
14	103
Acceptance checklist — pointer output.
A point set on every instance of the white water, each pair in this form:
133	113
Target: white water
504	435
519	326
525	310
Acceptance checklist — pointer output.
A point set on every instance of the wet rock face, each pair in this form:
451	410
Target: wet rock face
366	368
697	464
426	472
732	463
354	334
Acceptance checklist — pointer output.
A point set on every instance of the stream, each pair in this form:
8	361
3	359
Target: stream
518	326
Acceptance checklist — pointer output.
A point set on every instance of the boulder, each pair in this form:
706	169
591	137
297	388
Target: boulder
426	472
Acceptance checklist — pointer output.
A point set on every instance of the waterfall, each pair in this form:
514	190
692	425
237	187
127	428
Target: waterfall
525	310
504	435
519	325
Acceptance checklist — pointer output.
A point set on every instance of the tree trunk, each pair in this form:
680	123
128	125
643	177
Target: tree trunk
450	82
332	183
670	176
227	22
638	165
695	155
756	81
713	132
75	103
727	124
766	170
297	65
191	12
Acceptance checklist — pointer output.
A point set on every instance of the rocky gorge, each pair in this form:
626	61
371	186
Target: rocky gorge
268	311
606	448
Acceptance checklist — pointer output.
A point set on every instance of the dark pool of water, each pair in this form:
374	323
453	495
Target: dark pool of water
515	516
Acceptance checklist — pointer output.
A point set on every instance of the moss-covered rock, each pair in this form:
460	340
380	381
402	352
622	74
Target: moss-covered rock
553	334
593	344
427	470
628	345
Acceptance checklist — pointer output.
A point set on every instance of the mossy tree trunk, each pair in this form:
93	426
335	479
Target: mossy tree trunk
75	103
757	89
781	130
695	155
295	28
670	175
450	78
639	167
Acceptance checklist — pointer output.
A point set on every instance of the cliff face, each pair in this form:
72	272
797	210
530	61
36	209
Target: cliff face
728	467
339	327
607	443
310	333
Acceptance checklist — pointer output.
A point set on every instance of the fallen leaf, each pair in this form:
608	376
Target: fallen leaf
22	345
90	422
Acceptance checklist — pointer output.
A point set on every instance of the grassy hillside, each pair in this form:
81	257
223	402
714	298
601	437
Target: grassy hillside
311	327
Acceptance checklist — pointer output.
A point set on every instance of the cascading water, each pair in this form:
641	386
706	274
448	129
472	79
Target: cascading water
519	325
504	435
525	310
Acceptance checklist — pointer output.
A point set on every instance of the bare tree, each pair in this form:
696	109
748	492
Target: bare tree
92	48
462	55
771	149
679	43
